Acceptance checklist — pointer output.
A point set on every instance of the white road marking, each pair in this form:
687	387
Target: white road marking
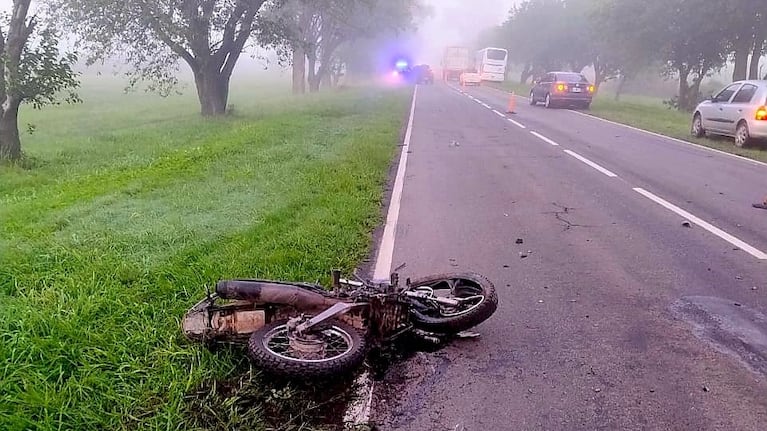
544	139
386	250
592	164
681	141
499	114
753	251
485	105
517	123
358	412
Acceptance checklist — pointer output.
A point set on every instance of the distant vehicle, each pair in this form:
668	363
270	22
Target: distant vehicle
456	60
562	89
491	63
423	74
470	78
738	111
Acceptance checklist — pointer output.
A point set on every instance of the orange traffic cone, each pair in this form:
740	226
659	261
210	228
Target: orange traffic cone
512	104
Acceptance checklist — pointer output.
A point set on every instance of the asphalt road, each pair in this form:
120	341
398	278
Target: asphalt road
621	317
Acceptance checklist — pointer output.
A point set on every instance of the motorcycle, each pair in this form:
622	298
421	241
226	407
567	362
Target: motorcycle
302	330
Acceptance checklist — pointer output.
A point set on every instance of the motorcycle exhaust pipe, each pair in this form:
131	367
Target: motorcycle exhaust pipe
267	292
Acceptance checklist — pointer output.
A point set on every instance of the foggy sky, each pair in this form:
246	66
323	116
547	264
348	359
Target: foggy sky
457	22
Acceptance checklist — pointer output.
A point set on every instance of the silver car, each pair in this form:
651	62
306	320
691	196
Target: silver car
739	111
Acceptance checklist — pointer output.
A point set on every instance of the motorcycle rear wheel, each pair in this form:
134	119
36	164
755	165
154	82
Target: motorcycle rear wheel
441	320
341	349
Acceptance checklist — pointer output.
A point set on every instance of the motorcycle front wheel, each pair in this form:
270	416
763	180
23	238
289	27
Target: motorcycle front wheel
478	302
335	348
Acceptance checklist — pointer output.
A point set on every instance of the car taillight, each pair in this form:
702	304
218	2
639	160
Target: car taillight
761	113
561	87
592	89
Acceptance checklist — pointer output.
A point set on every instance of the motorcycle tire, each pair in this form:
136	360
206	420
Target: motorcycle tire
456	323
264	350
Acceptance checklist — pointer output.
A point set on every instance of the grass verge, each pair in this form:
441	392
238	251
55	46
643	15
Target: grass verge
650	114
125	216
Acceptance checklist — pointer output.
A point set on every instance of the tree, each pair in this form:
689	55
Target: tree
33	71
153	35
316	29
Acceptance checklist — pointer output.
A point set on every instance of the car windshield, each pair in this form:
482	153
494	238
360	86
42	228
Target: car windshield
571	77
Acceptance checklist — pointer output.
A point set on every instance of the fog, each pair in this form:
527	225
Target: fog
456	22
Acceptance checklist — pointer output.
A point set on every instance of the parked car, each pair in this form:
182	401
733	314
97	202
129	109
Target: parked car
470	78
424	74
562	89
738	111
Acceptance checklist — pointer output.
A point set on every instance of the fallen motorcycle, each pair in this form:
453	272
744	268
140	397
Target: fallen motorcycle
304	330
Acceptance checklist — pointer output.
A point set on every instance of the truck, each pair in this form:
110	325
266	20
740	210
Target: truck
457	59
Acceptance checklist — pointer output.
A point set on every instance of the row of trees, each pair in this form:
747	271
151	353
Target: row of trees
154	37
687	39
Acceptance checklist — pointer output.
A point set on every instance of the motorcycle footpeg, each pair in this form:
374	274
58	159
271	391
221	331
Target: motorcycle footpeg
467	334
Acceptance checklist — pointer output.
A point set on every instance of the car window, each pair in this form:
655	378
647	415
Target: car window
726	94
745	94
571	77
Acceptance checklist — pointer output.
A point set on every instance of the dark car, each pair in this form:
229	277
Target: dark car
423	74
562	89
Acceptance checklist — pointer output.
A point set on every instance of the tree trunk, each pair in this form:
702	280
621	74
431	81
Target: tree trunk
753	72
621	86
299	70
326	80
742	49
212	91
10	144
314	82
527	72
684	89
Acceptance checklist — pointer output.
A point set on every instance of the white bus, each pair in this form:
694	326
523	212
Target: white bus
491	64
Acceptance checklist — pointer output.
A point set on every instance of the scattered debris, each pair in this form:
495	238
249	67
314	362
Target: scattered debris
455	144
540	301
573	300
762	206
520	241
706	389
597	390
686	224
523	255
754	288
737	277
505	214
506	266
652	391
737	304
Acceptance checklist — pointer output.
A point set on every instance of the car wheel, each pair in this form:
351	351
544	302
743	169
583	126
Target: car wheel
548	103
697	129
742	135
533	102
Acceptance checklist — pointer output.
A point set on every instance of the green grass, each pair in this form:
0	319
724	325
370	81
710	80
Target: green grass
130	205
649	113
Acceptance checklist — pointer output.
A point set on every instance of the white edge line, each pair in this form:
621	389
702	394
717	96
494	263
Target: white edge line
592	164
499	114
681	141
485	105
544	139
753	251
358	412
517	123
386	250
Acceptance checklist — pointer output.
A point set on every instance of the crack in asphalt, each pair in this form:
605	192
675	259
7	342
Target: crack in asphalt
560	215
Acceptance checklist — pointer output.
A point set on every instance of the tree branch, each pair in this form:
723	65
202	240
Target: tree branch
156	25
